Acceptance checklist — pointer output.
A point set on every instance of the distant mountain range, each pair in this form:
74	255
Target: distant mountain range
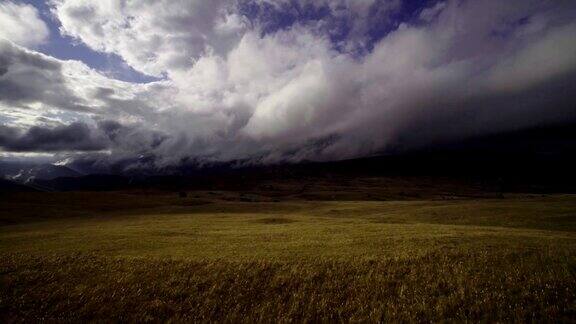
29	172
499	172
541	159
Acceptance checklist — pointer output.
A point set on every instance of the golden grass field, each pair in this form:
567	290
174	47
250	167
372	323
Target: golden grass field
135	256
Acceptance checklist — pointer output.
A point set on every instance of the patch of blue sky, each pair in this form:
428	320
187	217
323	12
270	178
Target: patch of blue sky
272	18
408	14
66	48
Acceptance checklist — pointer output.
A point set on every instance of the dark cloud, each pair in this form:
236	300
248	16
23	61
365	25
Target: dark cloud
125	141
141	140
443	119
27	77
73	137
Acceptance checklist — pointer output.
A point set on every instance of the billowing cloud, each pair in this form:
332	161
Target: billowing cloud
246	80
152	36
21	24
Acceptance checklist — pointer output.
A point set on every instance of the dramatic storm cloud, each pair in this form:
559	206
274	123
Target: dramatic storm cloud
75	136
283	80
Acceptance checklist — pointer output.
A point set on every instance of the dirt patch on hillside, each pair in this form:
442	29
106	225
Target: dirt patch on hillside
275	220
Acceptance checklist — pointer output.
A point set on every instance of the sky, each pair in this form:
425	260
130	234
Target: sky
133	85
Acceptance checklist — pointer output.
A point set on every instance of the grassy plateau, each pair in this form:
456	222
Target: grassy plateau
230	257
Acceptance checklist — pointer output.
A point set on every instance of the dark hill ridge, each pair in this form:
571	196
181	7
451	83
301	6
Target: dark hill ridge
534	160
11	186
417	175
25	172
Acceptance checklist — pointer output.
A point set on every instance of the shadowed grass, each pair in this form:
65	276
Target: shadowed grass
489	286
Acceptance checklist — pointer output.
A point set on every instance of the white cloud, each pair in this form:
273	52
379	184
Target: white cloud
154	37
21	24
548	57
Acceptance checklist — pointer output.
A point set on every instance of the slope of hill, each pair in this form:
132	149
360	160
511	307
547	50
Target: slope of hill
28	172
11	186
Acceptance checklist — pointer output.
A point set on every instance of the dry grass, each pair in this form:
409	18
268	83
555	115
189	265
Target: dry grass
492	286
467	260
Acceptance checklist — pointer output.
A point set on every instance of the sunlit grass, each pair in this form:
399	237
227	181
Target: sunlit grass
505	259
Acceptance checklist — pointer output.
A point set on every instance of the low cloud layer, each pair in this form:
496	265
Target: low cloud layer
73	137
270	81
